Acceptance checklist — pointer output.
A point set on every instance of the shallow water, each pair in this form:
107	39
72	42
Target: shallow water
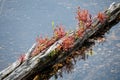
22	20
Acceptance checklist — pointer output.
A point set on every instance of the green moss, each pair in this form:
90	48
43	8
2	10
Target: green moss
52	53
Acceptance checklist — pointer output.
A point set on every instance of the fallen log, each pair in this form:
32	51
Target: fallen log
22	70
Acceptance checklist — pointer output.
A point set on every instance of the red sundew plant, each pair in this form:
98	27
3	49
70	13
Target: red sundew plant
38	49
101	17
22	58
85	21
41	45
59	32
84	17
68	43
79	32
41	40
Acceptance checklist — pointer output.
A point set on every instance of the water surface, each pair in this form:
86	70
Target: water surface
22	20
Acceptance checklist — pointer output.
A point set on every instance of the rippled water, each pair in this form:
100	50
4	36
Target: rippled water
22	20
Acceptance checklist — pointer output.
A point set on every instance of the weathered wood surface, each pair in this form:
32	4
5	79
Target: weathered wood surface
20	71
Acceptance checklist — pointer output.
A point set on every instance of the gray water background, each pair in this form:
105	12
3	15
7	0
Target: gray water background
22	20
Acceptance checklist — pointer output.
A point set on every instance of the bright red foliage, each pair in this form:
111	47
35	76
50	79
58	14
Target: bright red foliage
42	44
59	32
68	43
101	16
41	40
38	49
84	16
79	32
51	41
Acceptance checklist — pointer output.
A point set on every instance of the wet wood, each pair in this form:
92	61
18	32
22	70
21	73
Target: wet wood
22	71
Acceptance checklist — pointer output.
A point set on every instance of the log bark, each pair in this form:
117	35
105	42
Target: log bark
21	71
